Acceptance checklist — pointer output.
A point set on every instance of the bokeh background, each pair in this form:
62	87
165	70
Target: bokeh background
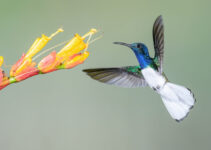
68	110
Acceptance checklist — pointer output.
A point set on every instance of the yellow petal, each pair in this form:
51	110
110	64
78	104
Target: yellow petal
1	60
77	60
74	46
39	44
77	49
23	66
70	45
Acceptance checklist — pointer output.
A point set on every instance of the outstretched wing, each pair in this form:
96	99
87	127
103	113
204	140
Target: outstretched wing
158	38
128	77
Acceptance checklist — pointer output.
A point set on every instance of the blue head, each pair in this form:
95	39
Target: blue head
141	52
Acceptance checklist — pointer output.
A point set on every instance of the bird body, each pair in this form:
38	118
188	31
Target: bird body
177	99
153	78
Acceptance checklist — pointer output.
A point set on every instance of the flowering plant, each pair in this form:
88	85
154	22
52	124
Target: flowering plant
72	54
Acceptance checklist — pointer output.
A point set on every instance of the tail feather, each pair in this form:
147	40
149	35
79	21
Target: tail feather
178	100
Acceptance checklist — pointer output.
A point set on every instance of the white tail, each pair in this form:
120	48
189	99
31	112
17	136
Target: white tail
177	99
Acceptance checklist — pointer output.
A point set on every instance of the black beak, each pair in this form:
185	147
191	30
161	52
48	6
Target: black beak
121	43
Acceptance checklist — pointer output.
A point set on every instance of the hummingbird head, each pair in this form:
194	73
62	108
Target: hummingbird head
141	53
138	48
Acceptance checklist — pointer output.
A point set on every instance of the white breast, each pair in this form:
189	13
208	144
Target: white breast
154	79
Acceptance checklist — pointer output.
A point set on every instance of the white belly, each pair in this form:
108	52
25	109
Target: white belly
154	79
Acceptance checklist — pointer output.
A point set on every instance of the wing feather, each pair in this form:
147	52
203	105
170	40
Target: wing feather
130	76
158	38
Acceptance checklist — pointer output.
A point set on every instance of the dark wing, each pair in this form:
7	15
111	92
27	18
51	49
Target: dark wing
129	77
158	38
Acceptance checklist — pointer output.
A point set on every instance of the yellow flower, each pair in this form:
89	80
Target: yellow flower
26	60
39	43
74	46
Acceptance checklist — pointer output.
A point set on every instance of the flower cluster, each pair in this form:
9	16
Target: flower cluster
69	56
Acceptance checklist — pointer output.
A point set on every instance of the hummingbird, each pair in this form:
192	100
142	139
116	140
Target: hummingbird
177	99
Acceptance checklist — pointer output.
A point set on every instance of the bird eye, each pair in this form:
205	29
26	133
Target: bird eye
138	45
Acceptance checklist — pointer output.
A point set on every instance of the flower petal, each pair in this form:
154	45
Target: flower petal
16	65
48	63
29	72
78	59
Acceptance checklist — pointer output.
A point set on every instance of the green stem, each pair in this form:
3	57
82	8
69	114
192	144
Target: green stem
12	80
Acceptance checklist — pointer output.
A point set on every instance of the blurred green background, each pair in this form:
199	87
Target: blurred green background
68	110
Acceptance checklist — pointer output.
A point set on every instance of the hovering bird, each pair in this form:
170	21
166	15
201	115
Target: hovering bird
177	99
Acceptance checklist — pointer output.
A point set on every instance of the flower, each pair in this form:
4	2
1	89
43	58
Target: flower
48	63
25	63
74	46
39	43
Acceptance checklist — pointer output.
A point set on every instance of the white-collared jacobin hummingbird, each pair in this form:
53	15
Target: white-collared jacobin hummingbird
177	99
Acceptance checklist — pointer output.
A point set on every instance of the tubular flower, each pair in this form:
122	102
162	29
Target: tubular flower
74	46
68	57
49	63
25	63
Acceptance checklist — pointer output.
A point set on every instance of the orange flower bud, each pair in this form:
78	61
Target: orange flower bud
48	63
